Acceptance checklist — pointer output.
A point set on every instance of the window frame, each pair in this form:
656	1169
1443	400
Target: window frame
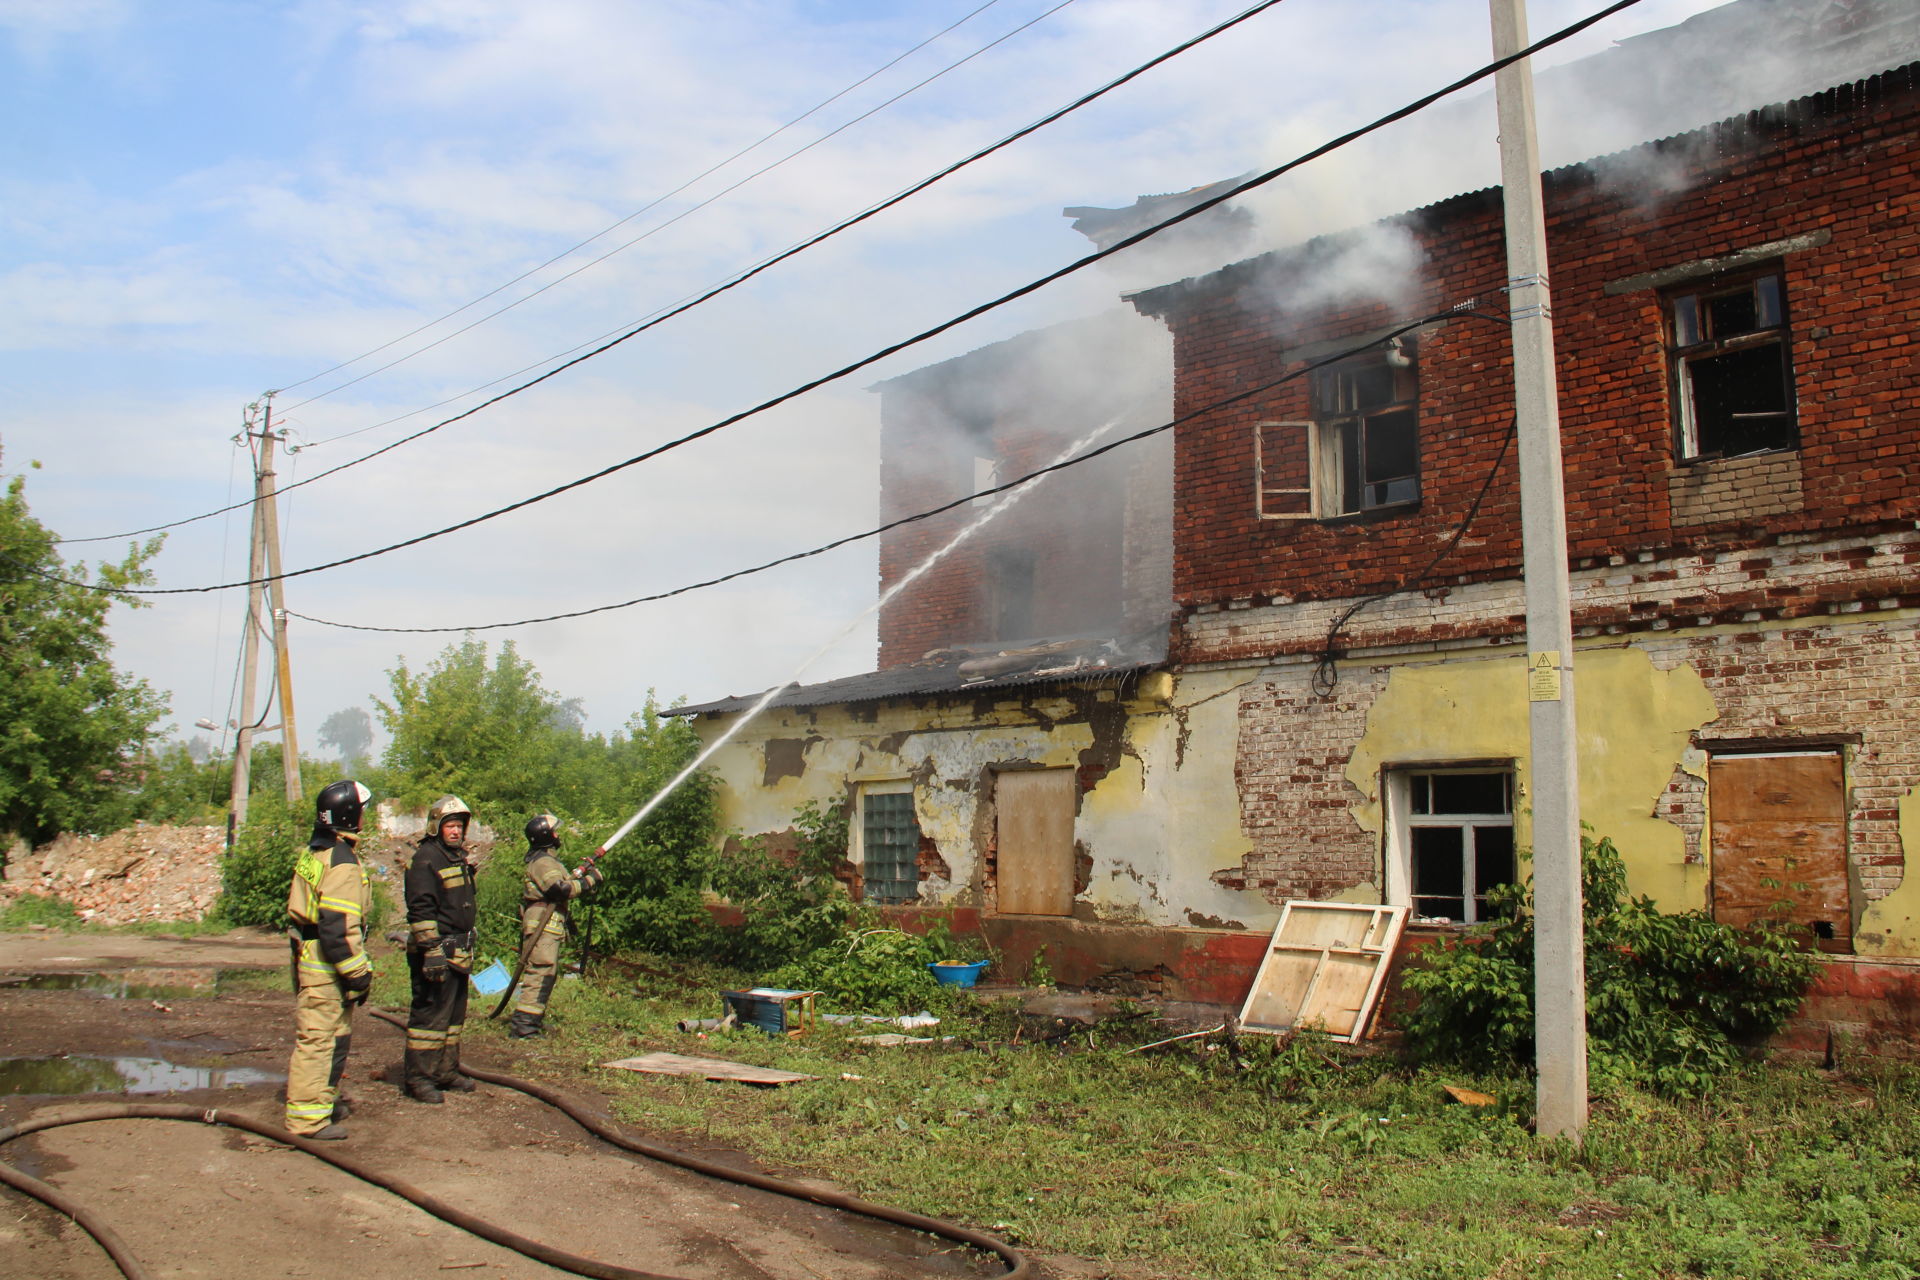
1682	356
1331	426
1401	821
864	792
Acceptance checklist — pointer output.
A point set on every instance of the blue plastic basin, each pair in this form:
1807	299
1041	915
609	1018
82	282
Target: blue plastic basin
955	974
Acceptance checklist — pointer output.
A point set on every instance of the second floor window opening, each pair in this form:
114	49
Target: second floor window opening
1732	383
1366	417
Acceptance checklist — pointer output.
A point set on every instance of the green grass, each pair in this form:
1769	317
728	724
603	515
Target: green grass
1300	1159
57	913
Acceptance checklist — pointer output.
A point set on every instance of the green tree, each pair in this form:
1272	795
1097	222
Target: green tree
348	731
482	730
71	724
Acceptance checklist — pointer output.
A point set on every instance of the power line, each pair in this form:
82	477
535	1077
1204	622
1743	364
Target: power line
705	173
1464	310
1192	211
615	337
690	210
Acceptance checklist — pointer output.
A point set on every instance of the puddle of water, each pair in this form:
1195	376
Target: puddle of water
76	1074
125	984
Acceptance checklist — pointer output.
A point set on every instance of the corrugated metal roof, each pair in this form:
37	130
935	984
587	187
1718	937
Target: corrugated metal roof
943	677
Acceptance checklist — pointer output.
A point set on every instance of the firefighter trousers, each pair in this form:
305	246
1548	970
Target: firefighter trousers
322	1035
434	1022
543	966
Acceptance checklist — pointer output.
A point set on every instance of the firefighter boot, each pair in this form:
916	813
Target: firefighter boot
524	1025
422	1065
451	1081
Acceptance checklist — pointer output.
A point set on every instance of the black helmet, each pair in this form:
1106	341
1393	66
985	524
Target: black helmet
340	806
543	832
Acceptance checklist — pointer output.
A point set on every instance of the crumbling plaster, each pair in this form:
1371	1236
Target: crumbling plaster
1155	817
1889	926
1634	723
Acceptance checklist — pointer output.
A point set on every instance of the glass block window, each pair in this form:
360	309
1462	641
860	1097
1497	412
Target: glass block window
889	846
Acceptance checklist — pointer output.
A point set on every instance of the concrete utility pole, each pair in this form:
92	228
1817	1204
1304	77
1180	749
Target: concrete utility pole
263	561
1560	980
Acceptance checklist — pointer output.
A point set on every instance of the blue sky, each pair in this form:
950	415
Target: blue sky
200	201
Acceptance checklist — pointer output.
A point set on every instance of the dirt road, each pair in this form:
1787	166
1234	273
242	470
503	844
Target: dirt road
201	1201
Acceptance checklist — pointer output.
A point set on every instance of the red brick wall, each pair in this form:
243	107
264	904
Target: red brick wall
1842	163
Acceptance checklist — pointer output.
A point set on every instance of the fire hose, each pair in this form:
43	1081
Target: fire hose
1017	1266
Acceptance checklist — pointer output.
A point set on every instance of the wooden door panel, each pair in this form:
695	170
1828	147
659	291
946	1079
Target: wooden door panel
1779	843
1034	820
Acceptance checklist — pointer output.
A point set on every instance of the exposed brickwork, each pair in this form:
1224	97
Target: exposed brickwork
1767	485
1842	162
1697	562
1097	535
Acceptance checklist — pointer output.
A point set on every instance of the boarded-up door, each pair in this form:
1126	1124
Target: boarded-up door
1035	828
1779	842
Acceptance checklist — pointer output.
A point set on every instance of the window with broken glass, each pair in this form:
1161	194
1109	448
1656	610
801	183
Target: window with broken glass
1732	379
1367	444
1454	832
889	846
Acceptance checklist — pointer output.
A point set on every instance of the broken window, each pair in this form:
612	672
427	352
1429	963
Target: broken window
1367	445
1362	445
1452	841
1732	383
1010	592
889	843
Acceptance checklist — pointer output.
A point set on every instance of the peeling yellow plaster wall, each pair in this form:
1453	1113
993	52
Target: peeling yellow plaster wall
1891	926
1634	725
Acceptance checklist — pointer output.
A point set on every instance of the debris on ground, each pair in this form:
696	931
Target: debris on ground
674	1064
142	873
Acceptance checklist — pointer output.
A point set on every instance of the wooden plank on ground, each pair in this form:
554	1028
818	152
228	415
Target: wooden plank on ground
675	1064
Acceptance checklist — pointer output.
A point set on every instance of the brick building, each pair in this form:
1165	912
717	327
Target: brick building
1341	712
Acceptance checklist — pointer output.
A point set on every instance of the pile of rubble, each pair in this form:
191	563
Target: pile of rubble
142	873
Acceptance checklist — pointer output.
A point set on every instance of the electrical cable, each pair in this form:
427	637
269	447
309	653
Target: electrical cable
656	201
1033	286
690	210
1326	671
615	337
1463	309
1018	1268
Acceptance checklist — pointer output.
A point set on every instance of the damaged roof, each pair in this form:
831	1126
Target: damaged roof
963	670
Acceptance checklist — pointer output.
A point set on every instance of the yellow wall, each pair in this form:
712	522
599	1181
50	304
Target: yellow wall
1634	721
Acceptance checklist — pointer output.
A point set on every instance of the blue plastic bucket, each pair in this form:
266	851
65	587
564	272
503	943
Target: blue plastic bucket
955	974
492	980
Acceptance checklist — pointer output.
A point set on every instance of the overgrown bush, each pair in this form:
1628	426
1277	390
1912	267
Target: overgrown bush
791	908
255	876
871	971
1669	996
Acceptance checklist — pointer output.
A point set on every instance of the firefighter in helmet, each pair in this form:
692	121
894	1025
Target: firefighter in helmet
441	915
327	907
543	920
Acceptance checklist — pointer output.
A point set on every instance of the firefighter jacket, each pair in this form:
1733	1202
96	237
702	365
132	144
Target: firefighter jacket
441	907
328	907
548	880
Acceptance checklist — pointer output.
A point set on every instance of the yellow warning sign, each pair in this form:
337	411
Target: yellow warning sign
1543	676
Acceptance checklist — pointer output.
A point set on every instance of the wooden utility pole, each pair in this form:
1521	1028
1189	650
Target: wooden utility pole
263	561
1560	983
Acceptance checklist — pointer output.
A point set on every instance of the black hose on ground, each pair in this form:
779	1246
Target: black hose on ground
1018	1267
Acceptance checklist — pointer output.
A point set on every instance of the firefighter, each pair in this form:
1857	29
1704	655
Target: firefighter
332	973
543	920
441	914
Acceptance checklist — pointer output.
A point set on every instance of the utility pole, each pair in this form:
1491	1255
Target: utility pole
1560	982
263	561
